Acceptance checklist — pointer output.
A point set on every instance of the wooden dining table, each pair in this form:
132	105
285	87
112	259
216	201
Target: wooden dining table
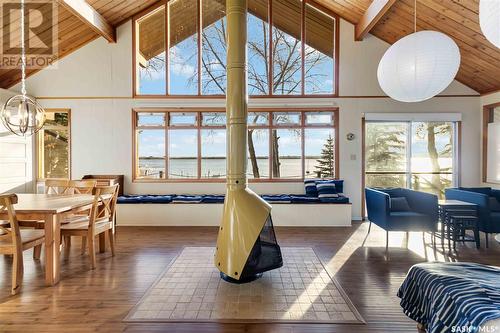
51	209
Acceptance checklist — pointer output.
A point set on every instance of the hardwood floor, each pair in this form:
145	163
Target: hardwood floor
97	301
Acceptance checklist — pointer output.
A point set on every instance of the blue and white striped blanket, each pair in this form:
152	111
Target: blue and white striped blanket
452	297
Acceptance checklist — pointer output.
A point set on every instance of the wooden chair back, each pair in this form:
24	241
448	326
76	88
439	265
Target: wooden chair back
104	206
82	186
7	202
57	186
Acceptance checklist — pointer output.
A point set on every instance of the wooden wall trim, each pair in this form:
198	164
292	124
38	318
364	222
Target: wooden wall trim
221	97
373	14
88	15
487	118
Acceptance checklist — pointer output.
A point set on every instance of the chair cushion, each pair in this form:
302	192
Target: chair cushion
494	204
408	221
310	186
399	204
326	189
495	219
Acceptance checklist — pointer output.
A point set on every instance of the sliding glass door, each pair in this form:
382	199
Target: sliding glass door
417	155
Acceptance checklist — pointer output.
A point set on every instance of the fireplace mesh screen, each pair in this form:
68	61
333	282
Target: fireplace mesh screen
265	254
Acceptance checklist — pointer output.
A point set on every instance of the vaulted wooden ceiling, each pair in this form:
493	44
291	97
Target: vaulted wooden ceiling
480	66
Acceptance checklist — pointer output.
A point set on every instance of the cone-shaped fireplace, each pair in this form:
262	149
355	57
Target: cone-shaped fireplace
246	244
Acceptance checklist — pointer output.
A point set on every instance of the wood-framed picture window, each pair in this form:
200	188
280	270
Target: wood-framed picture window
53	143
190	145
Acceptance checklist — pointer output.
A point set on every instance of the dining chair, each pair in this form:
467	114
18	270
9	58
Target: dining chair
57	186
52	186
79	187
14	241
100	220
82	186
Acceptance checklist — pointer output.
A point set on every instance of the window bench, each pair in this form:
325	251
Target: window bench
206	210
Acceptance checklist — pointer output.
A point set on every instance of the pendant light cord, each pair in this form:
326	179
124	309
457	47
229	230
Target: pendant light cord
23	53
414	17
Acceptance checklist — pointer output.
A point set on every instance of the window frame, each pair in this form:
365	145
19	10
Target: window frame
270	127
456	157
167	95
39	164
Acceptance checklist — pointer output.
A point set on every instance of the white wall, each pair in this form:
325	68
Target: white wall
16	165
488	100
101	128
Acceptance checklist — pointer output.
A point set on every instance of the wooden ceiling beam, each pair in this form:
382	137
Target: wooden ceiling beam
88	15
373	14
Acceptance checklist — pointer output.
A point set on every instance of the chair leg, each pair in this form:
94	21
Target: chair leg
456	233
67	241
386	241
84	244
17	272
91	244
111	241
477	238
487	240
37	251
369	227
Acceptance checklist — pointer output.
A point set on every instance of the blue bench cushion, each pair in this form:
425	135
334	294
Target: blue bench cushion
187	199
145	199
213	199
219	198
277	198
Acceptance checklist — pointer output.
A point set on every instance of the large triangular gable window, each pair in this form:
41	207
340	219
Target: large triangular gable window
180	49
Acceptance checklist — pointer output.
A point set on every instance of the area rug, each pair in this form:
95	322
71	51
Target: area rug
191	290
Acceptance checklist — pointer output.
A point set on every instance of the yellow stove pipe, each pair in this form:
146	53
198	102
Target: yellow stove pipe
245	213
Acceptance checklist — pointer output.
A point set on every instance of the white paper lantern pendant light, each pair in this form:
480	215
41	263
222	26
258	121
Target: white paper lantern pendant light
418	66
489	20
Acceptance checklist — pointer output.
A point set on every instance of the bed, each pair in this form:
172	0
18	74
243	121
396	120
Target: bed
453	297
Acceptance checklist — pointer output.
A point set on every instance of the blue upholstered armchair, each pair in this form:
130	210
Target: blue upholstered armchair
400	209
488	202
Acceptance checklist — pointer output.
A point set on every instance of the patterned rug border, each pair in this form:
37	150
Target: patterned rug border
360	320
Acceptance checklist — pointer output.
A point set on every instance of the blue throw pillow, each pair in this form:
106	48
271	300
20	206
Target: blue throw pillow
400	204
326	189
310	186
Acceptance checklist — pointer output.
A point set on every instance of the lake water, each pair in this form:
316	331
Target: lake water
216	167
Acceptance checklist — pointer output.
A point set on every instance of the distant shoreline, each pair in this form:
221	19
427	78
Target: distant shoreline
223	158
